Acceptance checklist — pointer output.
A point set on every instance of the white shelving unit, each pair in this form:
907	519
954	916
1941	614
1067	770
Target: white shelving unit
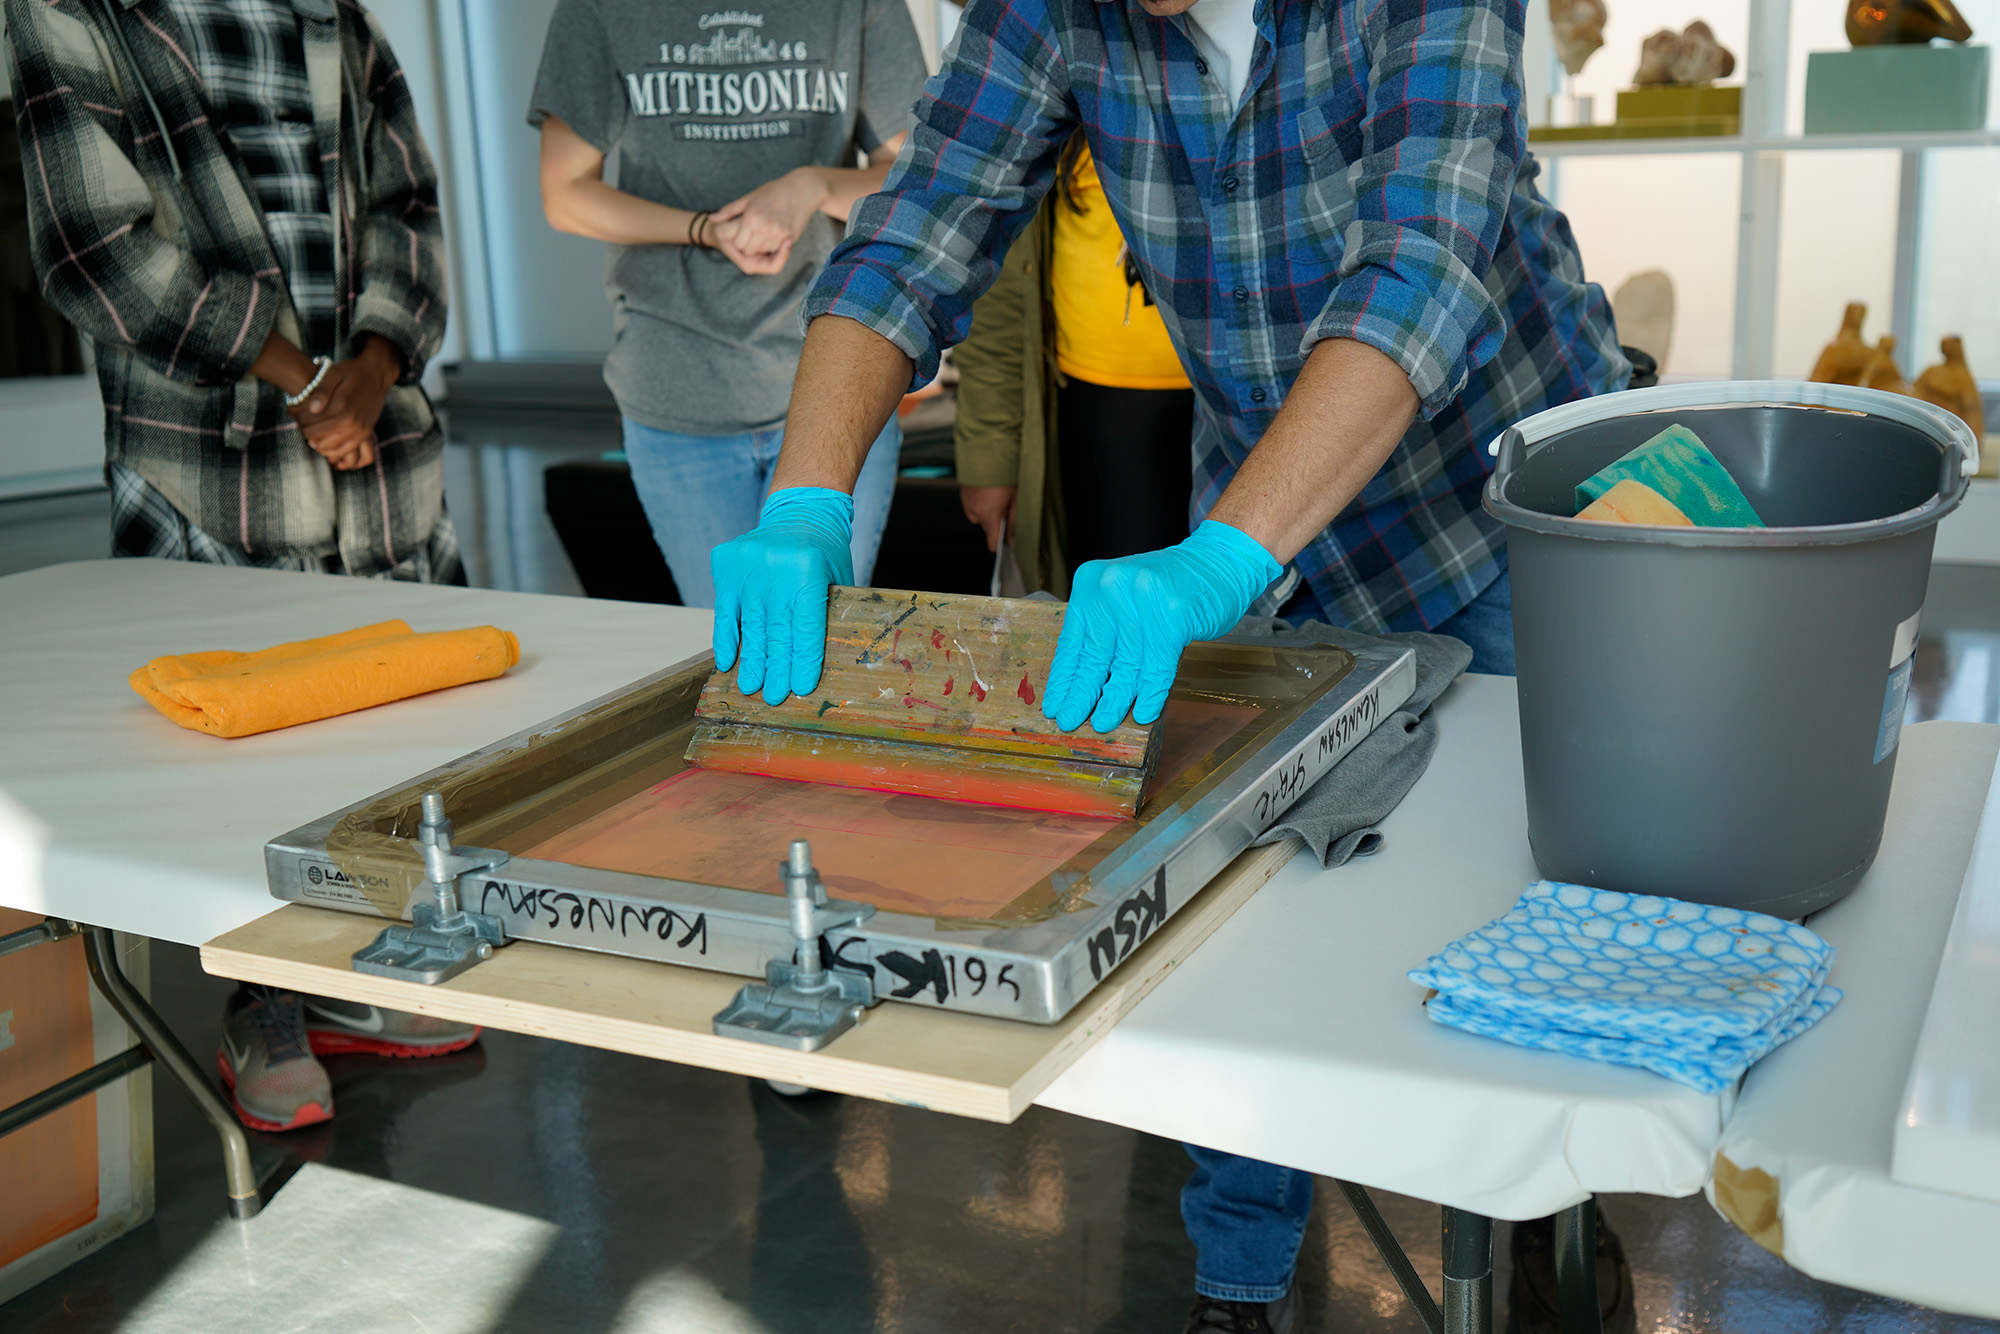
1762	150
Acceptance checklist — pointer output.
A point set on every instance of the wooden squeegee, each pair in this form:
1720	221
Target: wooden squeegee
933	694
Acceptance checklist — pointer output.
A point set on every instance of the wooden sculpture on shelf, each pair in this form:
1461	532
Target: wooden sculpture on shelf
1682	59
1579	30
1882	372
1843	360
1950	385
1904	22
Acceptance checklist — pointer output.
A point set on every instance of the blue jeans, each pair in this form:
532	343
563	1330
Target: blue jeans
1246	1217
1487	624
702	490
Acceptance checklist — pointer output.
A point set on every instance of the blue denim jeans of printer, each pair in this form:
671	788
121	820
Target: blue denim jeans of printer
1246	1217
701	490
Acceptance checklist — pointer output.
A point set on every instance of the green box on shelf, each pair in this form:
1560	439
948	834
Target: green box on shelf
1892	89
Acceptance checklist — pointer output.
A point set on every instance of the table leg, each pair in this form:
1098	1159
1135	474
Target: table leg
1576	1269
102	955
1393	1254
1468	1272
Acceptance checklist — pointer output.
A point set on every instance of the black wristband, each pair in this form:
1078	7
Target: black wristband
695	224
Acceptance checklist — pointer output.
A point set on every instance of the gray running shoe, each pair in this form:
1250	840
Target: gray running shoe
273	1078
336	1027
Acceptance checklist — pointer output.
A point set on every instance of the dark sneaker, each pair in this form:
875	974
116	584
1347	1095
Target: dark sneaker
1532	1304
267	1065
1212	1315
336	1027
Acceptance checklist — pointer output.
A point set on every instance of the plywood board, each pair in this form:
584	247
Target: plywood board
991	1069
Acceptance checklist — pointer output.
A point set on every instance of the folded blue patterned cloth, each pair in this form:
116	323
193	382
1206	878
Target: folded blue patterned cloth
1693	992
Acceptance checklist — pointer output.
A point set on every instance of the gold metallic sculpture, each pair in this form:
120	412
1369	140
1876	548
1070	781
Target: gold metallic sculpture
1847	356
1681	59
1950	385
1904	22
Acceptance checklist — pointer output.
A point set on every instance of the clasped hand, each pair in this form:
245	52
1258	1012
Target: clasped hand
757	231
338	421
1130	619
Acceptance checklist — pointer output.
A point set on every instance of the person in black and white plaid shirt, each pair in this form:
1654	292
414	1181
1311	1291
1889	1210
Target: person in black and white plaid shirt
233	200
283	235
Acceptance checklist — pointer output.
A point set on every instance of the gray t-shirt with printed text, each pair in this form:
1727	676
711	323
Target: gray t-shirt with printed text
694	105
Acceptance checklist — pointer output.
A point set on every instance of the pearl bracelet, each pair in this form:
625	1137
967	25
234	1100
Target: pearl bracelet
325	364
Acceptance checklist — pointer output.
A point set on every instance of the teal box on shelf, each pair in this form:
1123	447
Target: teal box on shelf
1892	89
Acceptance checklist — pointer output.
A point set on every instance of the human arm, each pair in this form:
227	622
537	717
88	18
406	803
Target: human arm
771	583
901	286
577	199
757	230
992	366
401	286
95	222
1407	322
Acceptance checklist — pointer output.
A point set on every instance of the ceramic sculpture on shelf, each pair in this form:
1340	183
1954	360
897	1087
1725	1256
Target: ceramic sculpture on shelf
1882	372
1579	30
1681	59
1950	385
1843	360
1644	307
1904	22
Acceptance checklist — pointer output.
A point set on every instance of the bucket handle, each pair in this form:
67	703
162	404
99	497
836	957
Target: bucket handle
1935	421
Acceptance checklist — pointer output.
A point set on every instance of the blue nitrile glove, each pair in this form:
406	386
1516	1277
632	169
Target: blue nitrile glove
1129	619
775	579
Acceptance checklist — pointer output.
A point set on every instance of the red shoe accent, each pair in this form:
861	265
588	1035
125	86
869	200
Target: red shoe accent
338	1042
309	1114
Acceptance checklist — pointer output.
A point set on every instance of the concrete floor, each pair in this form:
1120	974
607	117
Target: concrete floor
532	1187
528	1185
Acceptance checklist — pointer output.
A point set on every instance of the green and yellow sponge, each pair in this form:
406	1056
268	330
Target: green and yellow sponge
1679	470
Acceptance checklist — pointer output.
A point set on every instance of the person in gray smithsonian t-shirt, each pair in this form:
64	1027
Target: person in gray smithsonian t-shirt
732	134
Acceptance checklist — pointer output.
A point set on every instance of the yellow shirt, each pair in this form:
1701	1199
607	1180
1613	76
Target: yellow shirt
1106	331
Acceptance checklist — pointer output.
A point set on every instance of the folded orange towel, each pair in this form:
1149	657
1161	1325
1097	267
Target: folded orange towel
225	693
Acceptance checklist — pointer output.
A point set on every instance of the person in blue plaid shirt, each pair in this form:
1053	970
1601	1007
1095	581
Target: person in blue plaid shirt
1333	203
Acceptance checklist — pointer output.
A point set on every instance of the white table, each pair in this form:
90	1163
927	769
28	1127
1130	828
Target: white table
1816	1120
149	828
1291	1036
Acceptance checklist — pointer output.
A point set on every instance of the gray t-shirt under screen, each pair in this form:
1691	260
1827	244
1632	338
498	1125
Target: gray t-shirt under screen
694	105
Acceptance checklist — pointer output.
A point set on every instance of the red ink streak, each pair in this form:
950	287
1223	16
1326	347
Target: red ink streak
1026	692
937	639
978	691
911	701
839	770
908	667
949	681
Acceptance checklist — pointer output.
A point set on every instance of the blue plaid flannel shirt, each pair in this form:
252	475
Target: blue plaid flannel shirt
1373	183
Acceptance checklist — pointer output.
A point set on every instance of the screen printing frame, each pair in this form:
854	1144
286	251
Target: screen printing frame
1318	703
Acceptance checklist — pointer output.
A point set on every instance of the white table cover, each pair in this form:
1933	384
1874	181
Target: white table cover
150	828
1293	1035
1819	1116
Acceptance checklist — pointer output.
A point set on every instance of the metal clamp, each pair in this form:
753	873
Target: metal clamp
442	939
802	1004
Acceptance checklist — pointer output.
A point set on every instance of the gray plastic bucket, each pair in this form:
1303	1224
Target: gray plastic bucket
1712	713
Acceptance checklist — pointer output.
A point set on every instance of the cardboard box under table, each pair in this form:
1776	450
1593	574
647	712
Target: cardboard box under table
591	832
